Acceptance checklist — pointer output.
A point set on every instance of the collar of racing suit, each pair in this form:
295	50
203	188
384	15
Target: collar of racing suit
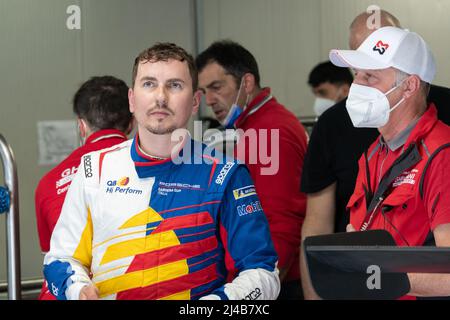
190	153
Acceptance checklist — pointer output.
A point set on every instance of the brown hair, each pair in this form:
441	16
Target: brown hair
164	52
103	103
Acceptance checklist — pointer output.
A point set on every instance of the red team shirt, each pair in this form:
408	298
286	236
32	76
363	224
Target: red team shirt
410	217
52	188
405	213
281	199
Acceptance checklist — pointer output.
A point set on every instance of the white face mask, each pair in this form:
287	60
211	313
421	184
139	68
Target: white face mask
369	107
322	104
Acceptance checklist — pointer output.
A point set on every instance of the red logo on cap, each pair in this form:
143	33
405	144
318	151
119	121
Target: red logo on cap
381	47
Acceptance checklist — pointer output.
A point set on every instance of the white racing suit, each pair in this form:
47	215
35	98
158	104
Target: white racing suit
187	228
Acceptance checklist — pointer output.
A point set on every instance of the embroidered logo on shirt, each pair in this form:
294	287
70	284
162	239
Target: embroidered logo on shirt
381	47
118	186
123	181
62	185
244	192
165	188
87	166
223	173
406	177
250	208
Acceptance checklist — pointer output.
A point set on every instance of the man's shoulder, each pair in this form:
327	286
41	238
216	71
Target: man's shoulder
278	116
439	136
281	114
439	92
92	162
66	167
209	156
112	150
336	122
440	96
338	112
216	165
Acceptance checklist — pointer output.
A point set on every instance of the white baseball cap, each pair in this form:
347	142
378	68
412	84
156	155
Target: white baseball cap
390	47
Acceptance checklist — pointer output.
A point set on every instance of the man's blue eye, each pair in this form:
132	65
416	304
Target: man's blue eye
176	85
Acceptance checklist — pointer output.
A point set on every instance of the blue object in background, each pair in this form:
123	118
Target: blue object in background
5	200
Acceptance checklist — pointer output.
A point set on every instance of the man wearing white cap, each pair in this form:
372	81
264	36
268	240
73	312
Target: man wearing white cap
403	184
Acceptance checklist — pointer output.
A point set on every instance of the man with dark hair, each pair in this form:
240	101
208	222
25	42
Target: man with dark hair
104	120
230	81
330	84
331	163
102	103
235	61
160	216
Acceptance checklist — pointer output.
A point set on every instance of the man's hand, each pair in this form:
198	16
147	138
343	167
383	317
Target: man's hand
89	293
350	228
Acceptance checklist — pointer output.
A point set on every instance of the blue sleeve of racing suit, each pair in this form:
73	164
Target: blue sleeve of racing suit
245	230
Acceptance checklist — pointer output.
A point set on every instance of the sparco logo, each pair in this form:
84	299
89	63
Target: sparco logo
87	166
223	173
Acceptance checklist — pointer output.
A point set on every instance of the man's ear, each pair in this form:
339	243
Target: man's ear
197	98
411	86
345	90
82	127
249	83
131	99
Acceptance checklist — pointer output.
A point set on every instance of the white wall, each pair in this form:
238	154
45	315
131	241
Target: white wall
282	35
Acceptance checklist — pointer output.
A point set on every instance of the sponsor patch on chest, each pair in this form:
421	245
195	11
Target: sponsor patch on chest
164	188
409	177
121	186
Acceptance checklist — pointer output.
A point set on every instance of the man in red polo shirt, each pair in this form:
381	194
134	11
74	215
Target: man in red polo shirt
104	120
272	143
403	183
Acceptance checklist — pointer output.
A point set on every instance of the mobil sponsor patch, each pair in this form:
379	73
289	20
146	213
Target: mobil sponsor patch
249	208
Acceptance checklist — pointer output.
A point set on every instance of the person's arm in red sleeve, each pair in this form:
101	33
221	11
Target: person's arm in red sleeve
437	201
41	220
281	198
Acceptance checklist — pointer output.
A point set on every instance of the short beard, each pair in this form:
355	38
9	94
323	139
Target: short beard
160	131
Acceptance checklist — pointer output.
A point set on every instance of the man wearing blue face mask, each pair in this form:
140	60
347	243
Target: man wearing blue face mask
230	81
403	183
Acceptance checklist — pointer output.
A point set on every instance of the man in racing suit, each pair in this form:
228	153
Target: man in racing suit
162	216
